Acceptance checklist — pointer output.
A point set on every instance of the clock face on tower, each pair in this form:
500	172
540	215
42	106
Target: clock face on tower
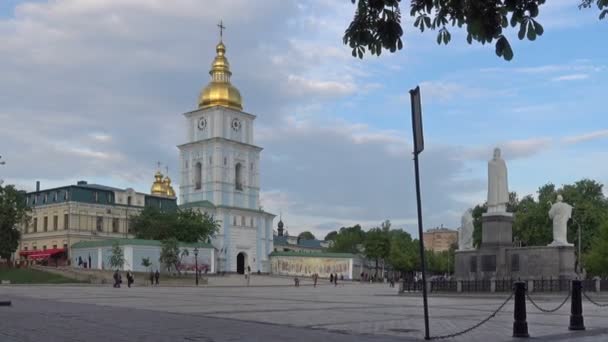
236	124
202	124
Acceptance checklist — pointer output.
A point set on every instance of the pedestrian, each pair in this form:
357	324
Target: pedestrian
151	278
248	275
296	281
156	276
115	276
336	280
315	277
129	279
331	278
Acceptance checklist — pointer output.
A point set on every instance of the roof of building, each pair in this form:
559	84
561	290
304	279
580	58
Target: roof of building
197	204
133	242
317	255
310	243
282	241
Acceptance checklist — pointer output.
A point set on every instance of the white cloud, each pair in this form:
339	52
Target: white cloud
575	139
571	77
302	87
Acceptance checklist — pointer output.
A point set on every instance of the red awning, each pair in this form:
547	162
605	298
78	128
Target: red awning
41	254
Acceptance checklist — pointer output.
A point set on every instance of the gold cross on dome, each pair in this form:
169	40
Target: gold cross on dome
222	28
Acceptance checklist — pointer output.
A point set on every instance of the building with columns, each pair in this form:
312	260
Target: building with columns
220	175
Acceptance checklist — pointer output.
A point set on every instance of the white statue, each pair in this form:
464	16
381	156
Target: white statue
498	188
465	236
560	213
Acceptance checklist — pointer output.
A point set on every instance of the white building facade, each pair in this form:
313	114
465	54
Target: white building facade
219	166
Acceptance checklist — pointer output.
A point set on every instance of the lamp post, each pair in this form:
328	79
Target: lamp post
196	263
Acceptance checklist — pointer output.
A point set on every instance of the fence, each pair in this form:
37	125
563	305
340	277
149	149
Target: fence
502	285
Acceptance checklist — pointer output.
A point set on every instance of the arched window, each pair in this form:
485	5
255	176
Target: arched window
198	175
238	183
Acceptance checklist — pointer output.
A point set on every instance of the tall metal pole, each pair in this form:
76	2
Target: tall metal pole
422	259
580	268
419	147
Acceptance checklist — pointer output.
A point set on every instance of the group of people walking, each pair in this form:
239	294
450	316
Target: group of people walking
154	277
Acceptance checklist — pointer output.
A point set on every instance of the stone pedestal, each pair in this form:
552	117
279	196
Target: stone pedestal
496	230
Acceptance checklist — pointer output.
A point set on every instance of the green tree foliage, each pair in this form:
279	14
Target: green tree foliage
331	235
117	260
185	225
596	260
306	236
403	253
145	262
348	240
13	212
376	25
169	254
377	245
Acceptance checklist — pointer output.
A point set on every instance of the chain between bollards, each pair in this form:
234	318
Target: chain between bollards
547	310
492	315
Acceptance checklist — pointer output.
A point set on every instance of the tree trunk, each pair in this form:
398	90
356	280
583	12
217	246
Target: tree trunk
376	268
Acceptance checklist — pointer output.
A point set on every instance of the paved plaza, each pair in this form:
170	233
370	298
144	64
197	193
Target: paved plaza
271	313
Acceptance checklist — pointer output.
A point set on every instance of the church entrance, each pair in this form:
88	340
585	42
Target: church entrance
240	262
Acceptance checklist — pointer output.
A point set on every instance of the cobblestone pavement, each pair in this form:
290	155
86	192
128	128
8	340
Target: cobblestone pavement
325	313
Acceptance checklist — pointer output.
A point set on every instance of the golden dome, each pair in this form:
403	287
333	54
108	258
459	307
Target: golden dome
168	188
158	187
219	92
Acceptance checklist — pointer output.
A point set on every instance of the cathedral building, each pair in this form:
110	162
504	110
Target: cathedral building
220	175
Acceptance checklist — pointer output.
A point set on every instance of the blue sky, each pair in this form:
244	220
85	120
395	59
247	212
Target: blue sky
94	89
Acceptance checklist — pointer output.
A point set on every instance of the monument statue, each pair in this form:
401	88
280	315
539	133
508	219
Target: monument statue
498	189
465	236
560	213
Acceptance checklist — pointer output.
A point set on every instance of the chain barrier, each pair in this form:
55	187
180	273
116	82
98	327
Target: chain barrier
476	325
547	310
592	301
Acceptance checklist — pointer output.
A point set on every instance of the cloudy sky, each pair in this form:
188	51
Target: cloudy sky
95	89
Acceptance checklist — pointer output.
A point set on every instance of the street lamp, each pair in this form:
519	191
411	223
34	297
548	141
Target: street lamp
196	263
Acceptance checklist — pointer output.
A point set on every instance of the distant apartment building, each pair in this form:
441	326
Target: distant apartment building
62	216
440	239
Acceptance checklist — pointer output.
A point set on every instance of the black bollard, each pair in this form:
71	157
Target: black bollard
520	326
577	321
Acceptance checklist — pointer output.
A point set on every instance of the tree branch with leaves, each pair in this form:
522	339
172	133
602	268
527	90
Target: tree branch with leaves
376	25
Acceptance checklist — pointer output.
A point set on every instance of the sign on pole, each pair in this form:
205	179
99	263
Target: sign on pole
417	120
419	147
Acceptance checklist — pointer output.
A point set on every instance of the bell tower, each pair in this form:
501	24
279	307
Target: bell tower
220	169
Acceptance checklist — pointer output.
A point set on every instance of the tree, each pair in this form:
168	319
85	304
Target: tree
145	262
376	25
377	245
117	260
185	225
403	253
331	235
169	254
348	240
595	260
13	212
306	236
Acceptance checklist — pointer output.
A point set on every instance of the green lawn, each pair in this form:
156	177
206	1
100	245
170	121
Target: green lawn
29	276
